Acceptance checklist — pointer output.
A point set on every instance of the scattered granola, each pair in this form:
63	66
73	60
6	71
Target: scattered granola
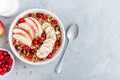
6	41
25	67
30	72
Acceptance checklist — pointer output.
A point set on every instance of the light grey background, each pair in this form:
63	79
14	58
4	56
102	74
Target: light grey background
99	23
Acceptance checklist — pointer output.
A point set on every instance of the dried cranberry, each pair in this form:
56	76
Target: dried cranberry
21	20
40	41
34	42
54	22
30	56
32	51
45	17
57	43
15	43
49	56
25	47
43	34
39	15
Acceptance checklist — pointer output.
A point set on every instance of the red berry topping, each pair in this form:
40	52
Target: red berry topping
57	43
15	43
45	17
54	22
34	42
49	56
39	15
21	20
40	41
43	34
25	47
1	57
32	51
30	56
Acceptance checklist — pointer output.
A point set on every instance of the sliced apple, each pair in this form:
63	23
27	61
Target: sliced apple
33	24
21	37
38	25
24	34
27	27
2	29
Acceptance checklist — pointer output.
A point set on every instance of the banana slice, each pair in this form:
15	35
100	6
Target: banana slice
45	25
45	49
48	44
50	33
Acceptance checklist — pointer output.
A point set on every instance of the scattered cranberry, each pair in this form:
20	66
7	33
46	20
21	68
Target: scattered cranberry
34	42
25	47
57	43
30	56
39	15
54	22
49	56
45	17
43	34
32	51
21	20
40	41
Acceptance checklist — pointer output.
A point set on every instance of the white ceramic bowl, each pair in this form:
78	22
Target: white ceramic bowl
42	11
12	64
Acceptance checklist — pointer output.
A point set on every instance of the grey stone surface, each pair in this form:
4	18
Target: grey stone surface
99	38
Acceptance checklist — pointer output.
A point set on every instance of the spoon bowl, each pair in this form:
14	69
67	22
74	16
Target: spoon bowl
72	31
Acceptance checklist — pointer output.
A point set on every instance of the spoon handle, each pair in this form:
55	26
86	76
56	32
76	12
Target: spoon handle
60	63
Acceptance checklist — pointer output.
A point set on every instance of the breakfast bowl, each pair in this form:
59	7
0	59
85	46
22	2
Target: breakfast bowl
37	36
6	62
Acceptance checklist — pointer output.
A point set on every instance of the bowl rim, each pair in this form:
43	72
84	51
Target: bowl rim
12	64
27	12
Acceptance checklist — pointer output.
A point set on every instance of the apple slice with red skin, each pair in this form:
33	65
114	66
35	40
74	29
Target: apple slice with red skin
27	27
22	34
2	28
36	25
29	21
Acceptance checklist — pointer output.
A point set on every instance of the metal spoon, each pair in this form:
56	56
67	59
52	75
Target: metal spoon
72	33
